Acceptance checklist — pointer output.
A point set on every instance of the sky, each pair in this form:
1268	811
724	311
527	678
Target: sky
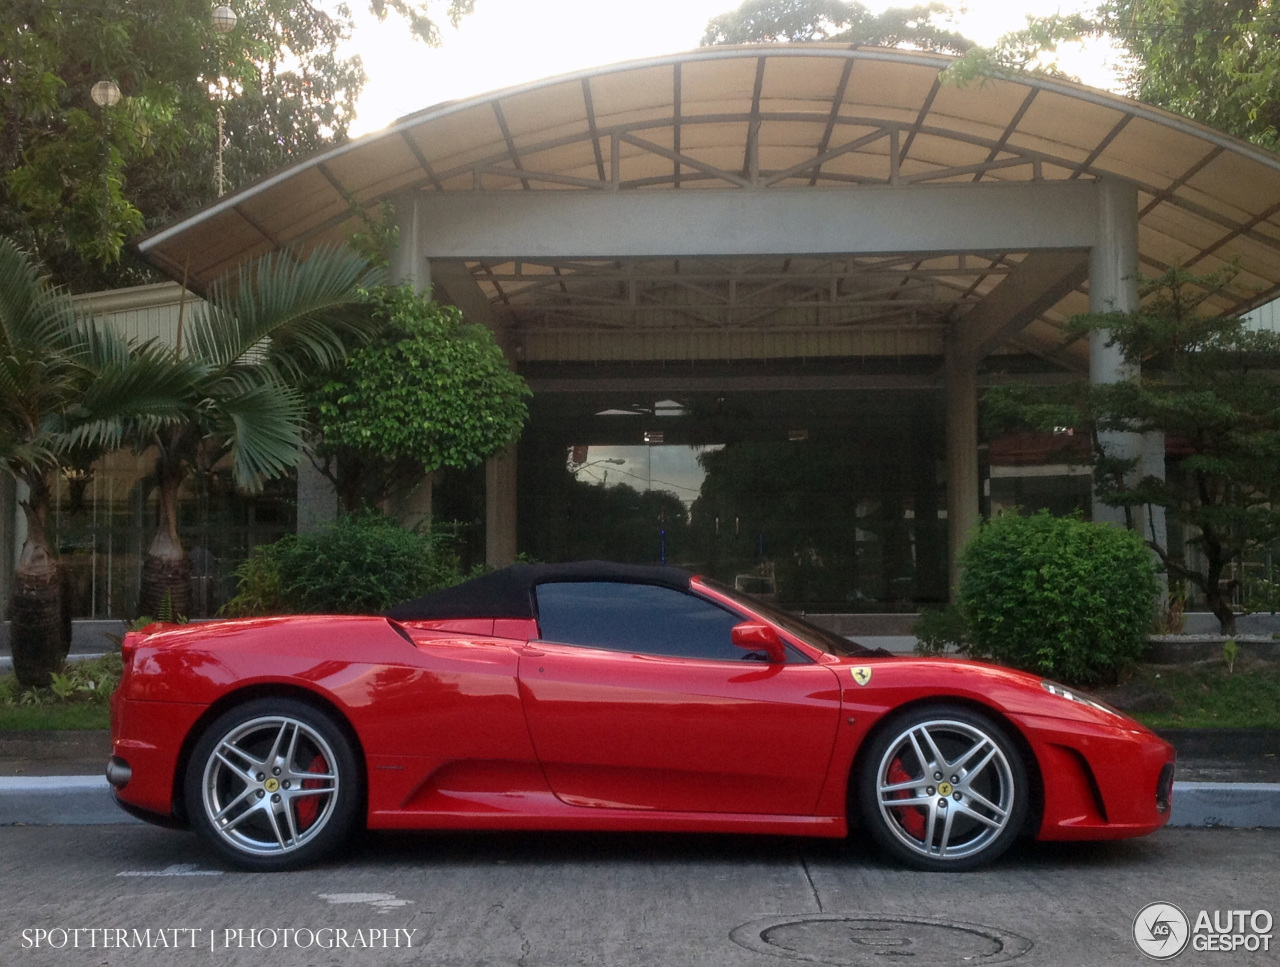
509	42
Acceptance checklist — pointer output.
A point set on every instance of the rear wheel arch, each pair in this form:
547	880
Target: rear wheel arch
249	693
1035	812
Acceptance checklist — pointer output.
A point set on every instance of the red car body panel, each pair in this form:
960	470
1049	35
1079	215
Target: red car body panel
474	723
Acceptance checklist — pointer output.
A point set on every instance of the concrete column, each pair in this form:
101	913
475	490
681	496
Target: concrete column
960	382
1113	287
500	508
413	507
317	500
408	264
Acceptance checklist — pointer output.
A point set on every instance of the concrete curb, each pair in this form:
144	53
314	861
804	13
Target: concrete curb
87	801
1233	805
59	801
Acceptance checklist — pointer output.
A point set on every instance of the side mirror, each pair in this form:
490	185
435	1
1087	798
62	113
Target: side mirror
758	636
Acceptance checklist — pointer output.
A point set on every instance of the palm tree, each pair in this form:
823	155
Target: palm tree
259	333
67	391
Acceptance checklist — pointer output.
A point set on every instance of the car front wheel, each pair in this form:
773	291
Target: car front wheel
943	788
273	784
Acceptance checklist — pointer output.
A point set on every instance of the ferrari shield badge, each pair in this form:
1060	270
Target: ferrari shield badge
861	674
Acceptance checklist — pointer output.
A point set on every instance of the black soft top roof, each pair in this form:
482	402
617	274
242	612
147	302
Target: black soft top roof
508	592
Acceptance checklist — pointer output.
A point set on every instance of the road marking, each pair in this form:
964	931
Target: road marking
379	901
177	869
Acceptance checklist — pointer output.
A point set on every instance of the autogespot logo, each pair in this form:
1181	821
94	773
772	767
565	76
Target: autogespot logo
1161	930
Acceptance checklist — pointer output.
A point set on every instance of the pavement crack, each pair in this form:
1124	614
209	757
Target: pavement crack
804	865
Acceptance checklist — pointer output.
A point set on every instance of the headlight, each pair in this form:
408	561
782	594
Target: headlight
1053	688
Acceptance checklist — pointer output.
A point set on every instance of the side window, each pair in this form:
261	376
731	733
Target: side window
637	618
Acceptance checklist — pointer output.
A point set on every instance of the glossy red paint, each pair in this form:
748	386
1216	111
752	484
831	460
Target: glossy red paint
475	723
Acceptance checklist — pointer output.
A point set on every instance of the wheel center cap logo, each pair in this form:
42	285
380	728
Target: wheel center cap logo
945	789
271	785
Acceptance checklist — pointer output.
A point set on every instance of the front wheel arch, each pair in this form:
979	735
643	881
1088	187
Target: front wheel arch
1036	812
893	718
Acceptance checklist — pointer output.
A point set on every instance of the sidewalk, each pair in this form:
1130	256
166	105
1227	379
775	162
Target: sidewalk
1225	779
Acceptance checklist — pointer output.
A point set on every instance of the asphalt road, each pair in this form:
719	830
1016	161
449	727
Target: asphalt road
562	900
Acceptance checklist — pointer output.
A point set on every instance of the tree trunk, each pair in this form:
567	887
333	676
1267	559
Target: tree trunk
39	633
1215	564
166	574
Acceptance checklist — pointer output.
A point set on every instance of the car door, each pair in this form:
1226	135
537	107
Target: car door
637	698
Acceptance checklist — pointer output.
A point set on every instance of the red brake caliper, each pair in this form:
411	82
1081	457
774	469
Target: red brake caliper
309	806
911	817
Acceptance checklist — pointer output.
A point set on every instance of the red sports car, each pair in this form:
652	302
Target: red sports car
598	696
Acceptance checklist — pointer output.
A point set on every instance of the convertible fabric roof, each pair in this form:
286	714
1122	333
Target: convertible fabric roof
509	591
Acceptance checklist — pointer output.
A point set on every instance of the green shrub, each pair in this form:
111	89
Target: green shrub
362	564
1057	595
258	584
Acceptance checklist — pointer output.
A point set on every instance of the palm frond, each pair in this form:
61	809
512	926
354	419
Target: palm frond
33	314
292	314
264	425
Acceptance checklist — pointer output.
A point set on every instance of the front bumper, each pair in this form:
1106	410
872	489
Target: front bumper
1100	781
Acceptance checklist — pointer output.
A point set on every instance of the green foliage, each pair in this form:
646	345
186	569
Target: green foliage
1057	595
76	179
80	683
1230	652
1217	61
258	590
782	21
363	564
941	631
1206	381
432	392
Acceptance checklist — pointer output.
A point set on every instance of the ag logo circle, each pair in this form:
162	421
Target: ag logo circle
1161	930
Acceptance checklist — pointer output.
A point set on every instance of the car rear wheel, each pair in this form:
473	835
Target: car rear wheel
943	788
273	784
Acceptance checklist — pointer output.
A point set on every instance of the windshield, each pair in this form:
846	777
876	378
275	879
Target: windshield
825	641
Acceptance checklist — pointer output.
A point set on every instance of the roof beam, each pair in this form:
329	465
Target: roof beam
926	218
1039	281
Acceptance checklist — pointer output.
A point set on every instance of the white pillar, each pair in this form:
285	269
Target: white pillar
1113	287
960	379
408	263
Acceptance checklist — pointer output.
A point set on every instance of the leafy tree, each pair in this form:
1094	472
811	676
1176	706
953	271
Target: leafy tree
431	392
249	345
1212	387
1217	61
77	179
67	392
781	21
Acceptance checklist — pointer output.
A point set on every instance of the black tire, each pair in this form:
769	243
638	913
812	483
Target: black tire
273	784
943	788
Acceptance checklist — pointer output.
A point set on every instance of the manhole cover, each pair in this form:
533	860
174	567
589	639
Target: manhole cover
850	940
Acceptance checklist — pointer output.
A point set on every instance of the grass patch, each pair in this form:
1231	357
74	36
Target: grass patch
72	716
1205	695
77	698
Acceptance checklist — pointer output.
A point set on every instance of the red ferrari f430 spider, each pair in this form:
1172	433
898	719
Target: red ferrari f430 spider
598	696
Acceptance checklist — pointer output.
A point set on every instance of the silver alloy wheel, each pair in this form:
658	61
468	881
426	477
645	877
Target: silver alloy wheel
945	789
270	785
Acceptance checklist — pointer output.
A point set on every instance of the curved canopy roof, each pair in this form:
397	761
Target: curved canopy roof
763	117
